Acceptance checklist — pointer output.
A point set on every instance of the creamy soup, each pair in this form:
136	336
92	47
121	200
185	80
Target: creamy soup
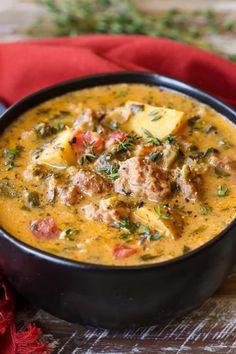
118	175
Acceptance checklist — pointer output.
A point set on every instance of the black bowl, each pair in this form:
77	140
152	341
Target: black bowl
109	296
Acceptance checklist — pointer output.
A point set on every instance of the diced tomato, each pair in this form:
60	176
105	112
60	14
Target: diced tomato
87	142
44	228
123	251
117	137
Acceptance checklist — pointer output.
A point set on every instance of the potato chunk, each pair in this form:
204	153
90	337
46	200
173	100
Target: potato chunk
170	227
59	153
159	121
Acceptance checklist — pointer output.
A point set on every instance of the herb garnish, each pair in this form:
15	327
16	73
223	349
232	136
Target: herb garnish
192	122
205	209
154	156
171	139
161	215
126	224
151	138
127	144
147	257
33	199
157	117
147	234
60	126
111	171
222	190
68	234
11	155
122	93
124	236
7	189
153	112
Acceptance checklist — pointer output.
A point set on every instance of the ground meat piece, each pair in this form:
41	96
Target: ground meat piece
222	162
107	211
188	182
90	183
52	189
142	178
69	196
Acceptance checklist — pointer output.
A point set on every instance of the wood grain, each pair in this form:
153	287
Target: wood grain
209	329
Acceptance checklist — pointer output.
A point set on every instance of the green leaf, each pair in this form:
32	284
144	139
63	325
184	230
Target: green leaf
154	119
69	234
147	257
126	224
161	215
222	191
127	144
205	209
154	156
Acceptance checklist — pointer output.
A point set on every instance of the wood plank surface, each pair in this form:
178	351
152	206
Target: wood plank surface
209	329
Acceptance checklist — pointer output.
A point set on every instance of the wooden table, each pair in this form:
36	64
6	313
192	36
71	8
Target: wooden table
209	329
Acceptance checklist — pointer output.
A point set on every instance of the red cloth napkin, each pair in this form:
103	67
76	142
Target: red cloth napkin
28	66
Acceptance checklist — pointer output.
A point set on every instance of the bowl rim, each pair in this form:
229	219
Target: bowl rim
164	82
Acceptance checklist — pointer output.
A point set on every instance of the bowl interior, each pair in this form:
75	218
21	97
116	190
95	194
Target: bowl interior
108	79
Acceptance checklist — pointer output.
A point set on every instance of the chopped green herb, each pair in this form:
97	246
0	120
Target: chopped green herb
146	233
126	192
69	234
111	171
114	125
126	224
128	144
193	121
7	189
122	93
222	191
156	118
205	209
147	257
44	130
87	157
152	139
161	215
154	156
208	151
33	199
171	139
60	126
153	112
124	236
11	155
